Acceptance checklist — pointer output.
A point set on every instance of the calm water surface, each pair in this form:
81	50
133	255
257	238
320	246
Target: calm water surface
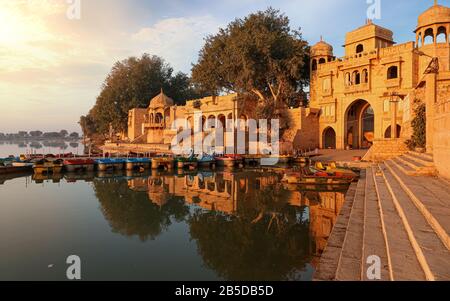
16	148
164	226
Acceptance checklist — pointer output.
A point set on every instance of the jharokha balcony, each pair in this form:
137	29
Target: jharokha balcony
154	125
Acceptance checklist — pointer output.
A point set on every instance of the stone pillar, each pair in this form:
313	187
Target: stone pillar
430	100
394	105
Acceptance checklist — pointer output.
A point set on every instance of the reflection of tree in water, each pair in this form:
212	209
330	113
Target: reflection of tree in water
266	240
132	213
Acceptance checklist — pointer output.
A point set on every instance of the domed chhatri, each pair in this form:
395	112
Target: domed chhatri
437	14
322	49
161	101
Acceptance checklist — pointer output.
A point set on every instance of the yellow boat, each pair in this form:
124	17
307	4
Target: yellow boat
48	167
331	167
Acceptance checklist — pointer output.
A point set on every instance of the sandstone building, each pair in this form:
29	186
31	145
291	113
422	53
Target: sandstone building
365	99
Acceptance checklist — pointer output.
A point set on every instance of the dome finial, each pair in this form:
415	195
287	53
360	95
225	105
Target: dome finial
435	3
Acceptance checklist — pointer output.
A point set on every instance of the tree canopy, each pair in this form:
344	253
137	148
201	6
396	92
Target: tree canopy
131	84
259	55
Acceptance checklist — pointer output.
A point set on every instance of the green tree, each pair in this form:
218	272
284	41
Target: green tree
259	55
63	133
36	134
131	84
74	135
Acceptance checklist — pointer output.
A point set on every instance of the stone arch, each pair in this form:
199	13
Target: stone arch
348	79
322	61
356	77
441	35
392	72
428	36
329	138
365	76
359	124
419	40
314	65
359	48
388	132
159	118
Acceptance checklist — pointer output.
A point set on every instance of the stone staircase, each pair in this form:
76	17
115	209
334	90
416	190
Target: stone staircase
415	164
397	213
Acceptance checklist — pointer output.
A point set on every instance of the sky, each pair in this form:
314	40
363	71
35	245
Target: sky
54	57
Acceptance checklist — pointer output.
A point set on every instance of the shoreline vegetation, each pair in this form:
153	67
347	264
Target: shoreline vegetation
260	57
40	136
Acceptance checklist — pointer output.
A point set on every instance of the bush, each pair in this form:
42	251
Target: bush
419	125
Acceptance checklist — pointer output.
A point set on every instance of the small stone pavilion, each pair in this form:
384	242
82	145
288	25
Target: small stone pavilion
365	99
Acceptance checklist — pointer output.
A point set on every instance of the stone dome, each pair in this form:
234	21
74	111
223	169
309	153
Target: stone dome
322	49
436	14
161	101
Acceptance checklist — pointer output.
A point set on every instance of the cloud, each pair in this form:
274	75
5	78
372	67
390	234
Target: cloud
178	40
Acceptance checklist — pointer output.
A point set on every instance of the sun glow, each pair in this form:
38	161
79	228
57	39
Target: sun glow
23	31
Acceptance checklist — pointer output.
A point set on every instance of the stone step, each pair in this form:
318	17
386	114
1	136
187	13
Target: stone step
402	259
418	159
431	253
329	259
413	169
350	260
374	243
431	199
406	169
423	156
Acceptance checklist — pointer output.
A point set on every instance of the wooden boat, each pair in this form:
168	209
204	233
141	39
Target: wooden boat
110	164
137	163
190	162
206	161
73	165
312	176
331	167
46	166
229	160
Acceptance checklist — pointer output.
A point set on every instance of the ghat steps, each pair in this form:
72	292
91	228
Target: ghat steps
398	214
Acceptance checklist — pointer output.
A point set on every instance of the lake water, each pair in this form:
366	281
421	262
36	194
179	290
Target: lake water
242	225
17	148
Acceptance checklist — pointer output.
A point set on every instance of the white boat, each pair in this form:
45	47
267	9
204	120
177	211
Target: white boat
22	164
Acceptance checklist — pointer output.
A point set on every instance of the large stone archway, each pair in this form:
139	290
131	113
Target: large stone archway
359	126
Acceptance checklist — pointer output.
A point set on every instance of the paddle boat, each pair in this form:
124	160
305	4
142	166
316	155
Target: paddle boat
46	166
190	162
110	164
137	163
311	176
230	160
331	167
73	165
206	161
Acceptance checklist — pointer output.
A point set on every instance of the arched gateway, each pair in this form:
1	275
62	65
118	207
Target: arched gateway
359	125
329	138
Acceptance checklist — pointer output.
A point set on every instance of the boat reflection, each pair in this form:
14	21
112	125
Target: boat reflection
246	225
239	219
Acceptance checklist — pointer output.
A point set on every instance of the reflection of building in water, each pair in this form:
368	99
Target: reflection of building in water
224	191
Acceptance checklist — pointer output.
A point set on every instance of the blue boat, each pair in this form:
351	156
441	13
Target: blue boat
136	163
110	163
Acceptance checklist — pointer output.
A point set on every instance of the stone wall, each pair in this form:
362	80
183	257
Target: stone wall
304	129
384	149
441	128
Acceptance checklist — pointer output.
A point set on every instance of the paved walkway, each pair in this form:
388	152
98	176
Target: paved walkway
339	155
401	218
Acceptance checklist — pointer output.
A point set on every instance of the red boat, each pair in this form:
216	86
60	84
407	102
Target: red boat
72	165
